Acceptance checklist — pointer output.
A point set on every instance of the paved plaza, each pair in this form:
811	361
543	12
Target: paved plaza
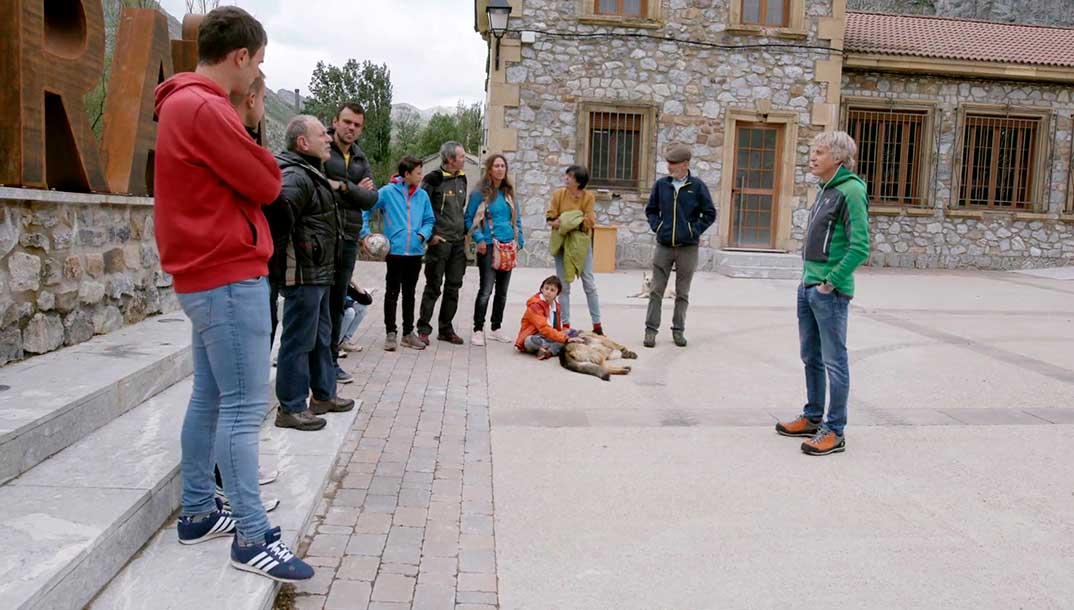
479	478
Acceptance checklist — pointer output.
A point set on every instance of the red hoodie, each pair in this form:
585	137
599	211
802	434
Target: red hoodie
211	180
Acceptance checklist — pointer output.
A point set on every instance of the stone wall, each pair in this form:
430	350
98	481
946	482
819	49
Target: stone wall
691	87
949	238
72	266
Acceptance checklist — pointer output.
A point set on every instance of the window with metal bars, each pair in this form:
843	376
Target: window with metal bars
999	156
614	148
890	153
622	8
766	12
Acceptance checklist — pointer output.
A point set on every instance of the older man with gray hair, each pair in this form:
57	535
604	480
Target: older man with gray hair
306	234
836	243
445	257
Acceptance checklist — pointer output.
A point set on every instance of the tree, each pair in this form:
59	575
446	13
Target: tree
201	7
408	129
368	84
440	129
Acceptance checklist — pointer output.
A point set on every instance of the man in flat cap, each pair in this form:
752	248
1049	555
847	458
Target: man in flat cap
680	209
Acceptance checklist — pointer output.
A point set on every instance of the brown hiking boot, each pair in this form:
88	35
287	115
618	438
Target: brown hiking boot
332	405
824	442
303	420
451	338
799	427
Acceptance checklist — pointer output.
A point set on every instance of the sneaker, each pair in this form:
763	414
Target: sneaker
303	420
264	477
332	405
343	376
390	342
824	442
274	360
216	524
478	338
272	559
678	338
349	346
413	342
650	338
543	354
269	503
799	427
451	338
497	335
424	337
598	329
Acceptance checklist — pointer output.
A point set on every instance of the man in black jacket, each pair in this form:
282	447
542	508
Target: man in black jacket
349	166
680	209
306	238
445	258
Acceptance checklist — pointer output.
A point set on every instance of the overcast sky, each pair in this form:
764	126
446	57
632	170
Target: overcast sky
435	56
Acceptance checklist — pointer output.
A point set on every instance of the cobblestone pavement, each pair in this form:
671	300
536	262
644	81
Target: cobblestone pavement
409	520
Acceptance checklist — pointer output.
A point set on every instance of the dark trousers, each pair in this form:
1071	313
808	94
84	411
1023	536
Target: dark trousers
274	313
445	263
490	278
684	258
344	270
304	362
403	273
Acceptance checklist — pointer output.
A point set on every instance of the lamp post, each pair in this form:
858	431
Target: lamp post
498	11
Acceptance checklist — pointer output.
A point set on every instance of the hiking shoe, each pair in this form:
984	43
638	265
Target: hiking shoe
269	503
799	427
413	342
451	338
303	420
678	338
332	405
390	341
272	559
478	338
650	338
216	524
824	442
424	338
349	346
598	329
497	335
343	376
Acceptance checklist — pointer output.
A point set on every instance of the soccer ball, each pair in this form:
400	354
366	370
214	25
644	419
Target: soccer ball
377	245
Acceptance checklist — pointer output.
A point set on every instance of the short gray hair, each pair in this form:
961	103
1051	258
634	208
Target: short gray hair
297	126
447	150
843	147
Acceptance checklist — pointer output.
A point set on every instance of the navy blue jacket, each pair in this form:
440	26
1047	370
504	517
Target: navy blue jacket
679	219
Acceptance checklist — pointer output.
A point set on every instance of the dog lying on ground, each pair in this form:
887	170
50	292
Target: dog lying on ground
592	355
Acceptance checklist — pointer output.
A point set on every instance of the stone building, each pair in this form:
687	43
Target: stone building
966	147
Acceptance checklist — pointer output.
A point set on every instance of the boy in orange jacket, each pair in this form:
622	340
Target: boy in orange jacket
542	329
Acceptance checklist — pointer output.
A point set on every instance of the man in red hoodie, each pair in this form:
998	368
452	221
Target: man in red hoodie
211	181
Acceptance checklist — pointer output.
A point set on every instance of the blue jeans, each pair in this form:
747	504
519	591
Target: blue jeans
344	270
304	361
228	404
589	284
822	333
534	343
352	319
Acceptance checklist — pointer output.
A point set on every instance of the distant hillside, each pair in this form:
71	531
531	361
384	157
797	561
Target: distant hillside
1038	12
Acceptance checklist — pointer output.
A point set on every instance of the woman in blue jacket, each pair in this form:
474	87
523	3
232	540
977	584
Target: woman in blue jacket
492	215
408	223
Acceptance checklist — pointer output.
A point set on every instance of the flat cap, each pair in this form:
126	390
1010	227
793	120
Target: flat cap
678	154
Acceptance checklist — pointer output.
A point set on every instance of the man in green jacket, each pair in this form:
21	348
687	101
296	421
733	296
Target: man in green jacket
836	243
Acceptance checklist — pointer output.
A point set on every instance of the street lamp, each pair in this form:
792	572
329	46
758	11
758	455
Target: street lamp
498	11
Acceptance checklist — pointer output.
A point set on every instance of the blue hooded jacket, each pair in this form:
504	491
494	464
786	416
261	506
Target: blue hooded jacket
498	215
408	217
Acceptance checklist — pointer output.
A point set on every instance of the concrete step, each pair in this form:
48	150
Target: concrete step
764	265
177	577
51	401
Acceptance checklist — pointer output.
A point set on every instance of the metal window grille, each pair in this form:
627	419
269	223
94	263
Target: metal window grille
623	8
614	148
766	12
998	160
890	153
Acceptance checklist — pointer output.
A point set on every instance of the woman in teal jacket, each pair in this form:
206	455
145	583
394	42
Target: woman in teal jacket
492	214
408	223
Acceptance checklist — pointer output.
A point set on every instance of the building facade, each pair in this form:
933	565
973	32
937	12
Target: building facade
968	154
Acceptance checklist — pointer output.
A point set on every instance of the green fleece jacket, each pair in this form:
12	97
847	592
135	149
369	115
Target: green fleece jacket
573	244
837	238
